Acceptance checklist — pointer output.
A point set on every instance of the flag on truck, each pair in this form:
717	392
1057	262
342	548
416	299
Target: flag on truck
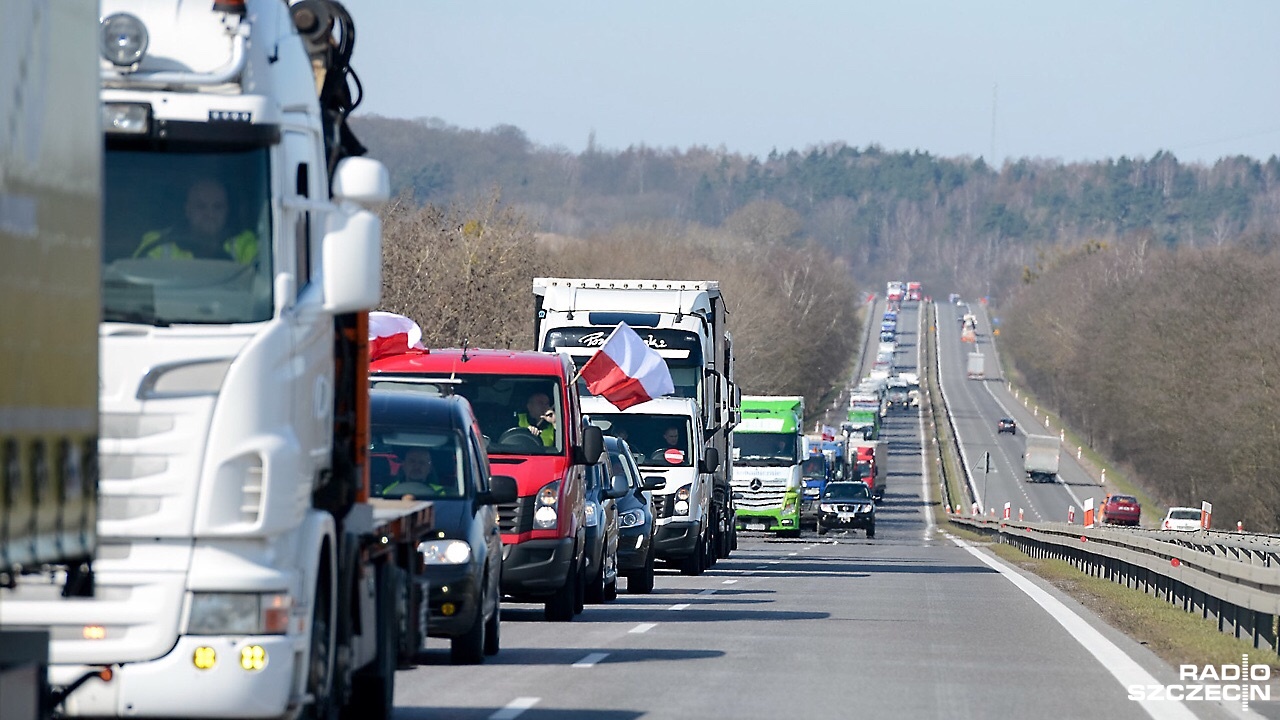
392	334
626	371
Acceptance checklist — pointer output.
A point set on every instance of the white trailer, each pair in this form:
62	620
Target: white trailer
977	368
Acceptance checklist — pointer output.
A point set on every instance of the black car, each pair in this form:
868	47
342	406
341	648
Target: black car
847	505
635	518
603	488
1007	425
428	447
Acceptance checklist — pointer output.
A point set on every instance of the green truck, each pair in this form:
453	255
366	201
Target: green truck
768	449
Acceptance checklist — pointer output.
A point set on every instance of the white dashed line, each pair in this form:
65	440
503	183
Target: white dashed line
643	628
792	554
514	708
774	562
730	582
590	660
762	567
704	593
679	606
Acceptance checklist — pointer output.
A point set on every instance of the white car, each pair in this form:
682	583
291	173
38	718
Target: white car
1182	518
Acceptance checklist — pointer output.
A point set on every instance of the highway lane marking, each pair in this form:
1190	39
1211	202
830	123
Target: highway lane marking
679	606
924	463
513	709
730	582
792	554
709	591
1123	668
590	660
762	567
642	628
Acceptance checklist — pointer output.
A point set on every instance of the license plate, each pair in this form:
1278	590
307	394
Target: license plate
756	526
845	516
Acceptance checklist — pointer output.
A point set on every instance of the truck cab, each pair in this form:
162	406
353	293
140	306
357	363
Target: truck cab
667	437
768	448
544	530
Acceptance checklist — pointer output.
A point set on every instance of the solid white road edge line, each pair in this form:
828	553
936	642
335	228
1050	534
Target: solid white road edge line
924	462
514	708
590	660
643	628
1123	668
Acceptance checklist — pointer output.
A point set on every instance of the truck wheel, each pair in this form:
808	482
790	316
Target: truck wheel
559	607
493	630
733	536
692	565
641	583
373	687
320	661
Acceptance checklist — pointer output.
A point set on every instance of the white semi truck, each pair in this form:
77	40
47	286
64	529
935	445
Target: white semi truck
242	570
977	367
1040	458
684	321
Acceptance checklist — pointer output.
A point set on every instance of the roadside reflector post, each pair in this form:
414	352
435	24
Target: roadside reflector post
1071	514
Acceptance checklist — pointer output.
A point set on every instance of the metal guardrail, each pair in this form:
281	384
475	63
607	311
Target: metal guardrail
1241	594
1231	578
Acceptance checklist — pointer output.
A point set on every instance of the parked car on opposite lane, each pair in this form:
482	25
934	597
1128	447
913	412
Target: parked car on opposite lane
428	447
1006	425
1121	509
1186	519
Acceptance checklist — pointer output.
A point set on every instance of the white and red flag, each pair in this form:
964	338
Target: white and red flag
625	371
392	334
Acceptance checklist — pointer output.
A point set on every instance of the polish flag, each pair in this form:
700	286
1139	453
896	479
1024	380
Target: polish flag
625	371
392	334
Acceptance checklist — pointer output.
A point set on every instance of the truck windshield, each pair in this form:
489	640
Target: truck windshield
681	350
518	415
656	440
815	468
770	449
187	236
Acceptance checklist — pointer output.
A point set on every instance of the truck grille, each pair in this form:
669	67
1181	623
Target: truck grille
663	506
516	517
768	493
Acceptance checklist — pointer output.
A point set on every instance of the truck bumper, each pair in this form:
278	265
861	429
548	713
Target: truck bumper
536	567
768	520
676	540
172	686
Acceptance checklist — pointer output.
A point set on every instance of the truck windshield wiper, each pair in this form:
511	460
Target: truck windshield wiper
134	317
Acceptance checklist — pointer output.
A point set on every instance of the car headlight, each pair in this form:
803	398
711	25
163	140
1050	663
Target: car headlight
445	552
827	507
865	508
593	515
811	491
681	507
544	506
631	518
239	613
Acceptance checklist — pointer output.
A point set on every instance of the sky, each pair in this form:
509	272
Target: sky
1073	80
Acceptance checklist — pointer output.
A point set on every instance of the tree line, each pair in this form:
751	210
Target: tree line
1168	360
954	223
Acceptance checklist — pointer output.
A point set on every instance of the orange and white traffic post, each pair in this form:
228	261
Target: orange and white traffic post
1006	511
1088	512
1071	514
1206	515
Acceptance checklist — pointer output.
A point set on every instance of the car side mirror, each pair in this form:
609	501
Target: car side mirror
620	487
589	452
502	489
710	459
653	482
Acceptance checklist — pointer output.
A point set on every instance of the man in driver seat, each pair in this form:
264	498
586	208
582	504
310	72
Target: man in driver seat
539	418
416	473
205	234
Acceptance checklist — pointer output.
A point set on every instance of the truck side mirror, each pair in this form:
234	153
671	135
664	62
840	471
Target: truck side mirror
653	482
502	489
588	453
363	181
352	257
710	459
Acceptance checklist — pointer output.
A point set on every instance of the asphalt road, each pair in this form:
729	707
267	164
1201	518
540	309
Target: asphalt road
909	625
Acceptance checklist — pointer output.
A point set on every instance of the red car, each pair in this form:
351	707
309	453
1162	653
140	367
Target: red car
1121	510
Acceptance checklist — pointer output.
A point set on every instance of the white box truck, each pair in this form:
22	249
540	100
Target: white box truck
977	369
242	570
1040	458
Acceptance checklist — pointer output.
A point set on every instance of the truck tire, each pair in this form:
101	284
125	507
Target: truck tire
493	631
641	582
559	607
373	686
320	659
468	648
693	564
